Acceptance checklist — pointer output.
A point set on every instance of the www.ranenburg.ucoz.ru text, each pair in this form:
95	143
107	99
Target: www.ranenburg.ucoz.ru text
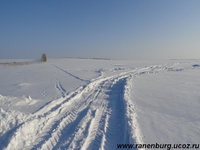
158	146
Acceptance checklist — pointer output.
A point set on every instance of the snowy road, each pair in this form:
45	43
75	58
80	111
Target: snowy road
97	115
92	117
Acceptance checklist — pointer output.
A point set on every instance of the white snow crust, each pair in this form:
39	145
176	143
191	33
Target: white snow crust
96	104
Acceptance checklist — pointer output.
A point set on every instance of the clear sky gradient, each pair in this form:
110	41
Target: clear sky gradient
119	29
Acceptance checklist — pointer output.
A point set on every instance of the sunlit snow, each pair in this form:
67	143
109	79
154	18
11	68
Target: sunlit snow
97	104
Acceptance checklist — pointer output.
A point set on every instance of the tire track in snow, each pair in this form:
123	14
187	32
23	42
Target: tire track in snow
83	111
117	127
82	126
101	124
60	88
47	118
72	75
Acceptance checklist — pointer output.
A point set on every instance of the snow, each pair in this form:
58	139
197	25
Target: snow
96	104
168	106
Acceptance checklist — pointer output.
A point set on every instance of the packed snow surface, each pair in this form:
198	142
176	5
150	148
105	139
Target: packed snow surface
97	104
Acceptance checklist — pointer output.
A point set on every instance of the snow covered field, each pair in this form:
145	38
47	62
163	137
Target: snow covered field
97	104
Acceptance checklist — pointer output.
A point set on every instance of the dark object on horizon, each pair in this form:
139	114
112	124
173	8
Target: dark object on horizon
44	58
195	65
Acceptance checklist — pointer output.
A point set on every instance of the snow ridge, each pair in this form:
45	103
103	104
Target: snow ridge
131	116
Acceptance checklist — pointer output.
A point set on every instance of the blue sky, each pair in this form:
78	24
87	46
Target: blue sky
119	29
